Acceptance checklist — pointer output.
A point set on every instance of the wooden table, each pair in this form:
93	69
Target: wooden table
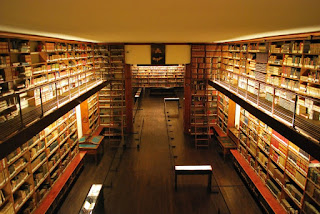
92	146
193	170
172	99
226	144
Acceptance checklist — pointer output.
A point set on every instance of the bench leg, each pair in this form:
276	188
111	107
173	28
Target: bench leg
209	182
175	181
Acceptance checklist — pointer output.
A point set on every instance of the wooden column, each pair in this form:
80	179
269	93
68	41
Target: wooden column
187	99
129	98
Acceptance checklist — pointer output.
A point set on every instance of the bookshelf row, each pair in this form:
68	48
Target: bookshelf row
204	65
112	105
29	68
291	175
28	173
158	76
290	64
226	112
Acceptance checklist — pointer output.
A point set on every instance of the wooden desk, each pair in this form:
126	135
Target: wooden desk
226	144
170	99
193	170
92	146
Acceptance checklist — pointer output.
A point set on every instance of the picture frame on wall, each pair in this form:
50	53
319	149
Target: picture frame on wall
158	54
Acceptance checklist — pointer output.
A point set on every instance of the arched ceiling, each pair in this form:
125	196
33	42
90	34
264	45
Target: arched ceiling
175	21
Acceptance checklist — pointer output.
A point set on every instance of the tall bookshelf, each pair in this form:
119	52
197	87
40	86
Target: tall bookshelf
205	60
28	173
112	97
226	112
157	76
291	175
35	72
90	114
279	72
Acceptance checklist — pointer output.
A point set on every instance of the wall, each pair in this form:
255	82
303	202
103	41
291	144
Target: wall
141	54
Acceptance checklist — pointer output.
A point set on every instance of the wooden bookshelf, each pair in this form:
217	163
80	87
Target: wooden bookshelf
157	76
90	114
205	61
28	173
112	102
282	166
280	73
226	112
28	66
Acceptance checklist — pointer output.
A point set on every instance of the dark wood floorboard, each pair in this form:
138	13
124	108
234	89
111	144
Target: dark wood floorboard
144	182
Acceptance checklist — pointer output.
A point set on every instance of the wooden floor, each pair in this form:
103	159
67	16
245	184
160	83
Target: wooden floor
144	182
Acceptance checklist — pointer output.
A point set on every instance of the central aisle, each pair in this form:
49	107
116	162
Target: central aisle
145	180
143	183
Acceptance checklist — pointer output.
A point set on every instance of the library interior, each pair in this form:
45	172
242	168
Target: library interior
108	106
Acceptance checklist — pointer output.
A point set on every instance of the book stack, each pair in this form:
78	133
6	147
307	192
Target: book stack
24	47
294	192
310	209
25	58
275	49
311	62
49	47
4	47
274	70
19	178
297	47
7	209
274	60
60	47
4	61
285	48
261	67
314	175
287	206
274	189
314	48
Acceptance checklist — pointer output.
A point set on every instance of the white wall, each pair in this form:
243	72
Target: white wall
178	54
138	54
79	121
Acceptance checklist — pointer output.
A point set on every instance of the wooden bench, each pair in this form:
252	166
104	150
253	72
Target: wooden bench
218	131
51	197
226	144
193	170
92	146
268	201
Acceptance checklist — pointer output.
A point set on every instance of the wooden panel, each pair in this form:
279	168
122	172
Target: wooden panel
231	113
84	117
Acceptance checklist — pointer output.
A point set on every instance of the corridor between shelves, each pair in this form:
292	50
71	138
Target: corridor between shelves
144	182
